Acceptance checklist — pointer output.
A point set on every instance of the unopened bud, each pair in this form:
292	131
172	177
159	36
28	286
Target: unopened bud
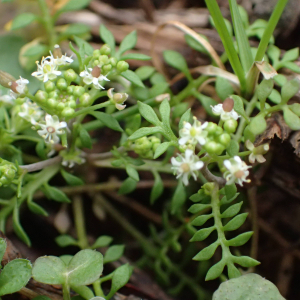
228	105
57	52
6	79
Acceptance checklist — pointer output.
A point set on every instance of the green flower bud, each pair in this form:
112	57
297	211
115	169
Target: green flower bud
105	50
218	131
52	102
78	91
113	61
60	106
143	144
208	188
41	96
70	75
224	139
230	125
122	66
96	53
20	101
68	112
62	84
70	89
211	127
105	69
53	95
85	99
71	104
213	147
49	86
96	63
103	60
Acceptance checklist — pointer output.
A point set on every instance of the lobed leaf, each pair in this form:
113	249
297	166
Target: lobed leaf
215	271
236	222
208	252
196	208
232	210
200	220
202	234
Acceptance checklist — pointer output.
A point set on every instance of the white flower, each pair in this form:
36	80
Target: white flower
193	133
59	59
6	99
237	171
117	99
88	78
51	129
47	70
186	165
225	115
257	152
30	110
21	85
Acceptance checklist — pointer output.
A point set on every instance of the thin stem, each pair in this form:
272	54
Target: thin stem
91	108
66	292
78	212
97	288
42	164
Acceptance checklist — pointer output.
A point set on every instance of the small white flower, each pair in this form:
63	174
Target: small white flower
60	59
257	152
6	99
225	115
88	78
186	165
237	171
193	133
47	70
51	129
30	110
117	99
21	85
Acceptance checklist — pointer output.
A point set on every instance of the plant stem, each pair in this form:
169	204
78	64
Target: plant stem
97	288
66	292
78	212
91	108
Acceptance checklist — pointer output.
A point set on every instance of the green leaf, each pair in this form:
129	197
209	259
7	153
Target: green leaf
292	66
102	241
107	120
290	89
280	79
246	261
230	191
66	258
207	253
176	60
162	148
133	78
157	189
36	50
71	179
41	297
148	113
236	222
232	210
194	44
295	108
200	220
128	42
233	148
85	267
18	229
36	208
215	271
179	109
178	198
224	200
23	20
84	47
108	38
2	248
75	5
165	111
135	56
274	53
206	102
128	186
291	119
132	172
196	208
49	270
75	29
223	88
144	131
186	117
240	239
65	240
14	276
264	89
200	196
84	292
158	89
120	277
56	194
291	55
239	106
202	234
113	253
85	138
258	124
144	72
233	271
275	97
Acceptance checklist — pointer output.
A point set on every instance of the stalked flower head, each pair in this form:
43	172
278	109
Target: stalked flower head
51	129
257	152
193	134
225	110
237	171
186	165
93	76
117	99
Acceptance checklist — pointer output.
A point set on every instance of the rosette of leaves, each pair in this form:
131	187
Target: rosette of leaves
208	198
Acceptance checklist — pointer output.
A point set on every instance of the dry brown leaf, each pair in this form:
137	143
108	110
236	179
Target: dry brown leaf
295	141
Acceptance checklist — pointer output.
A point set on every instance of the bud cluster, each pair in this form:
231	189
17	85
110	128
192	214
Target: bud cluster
8	172
146	146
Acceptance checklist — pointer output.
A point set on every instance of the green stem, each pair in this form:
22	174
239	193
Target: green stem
48	22
277	12
66	292
91	108
78	212
97	288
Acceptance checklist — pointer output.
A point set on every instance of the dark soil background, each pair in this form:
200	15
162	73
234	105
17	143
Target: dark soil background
272	198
